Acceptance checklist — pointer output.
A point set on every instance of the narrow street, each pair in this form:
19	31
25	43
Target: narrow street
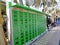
52	37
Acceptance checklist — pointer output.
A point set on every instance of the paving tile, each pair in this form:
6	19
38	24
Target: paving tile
51	38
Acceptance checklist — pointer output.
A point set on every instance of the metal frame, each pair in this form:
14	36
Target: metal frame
9	15
9	23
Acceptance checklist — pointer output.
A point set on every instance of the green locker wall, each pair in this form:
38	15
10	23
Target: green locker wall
27	26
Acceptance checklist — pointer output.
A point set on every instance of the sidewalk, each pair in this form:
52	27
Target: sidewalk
51	38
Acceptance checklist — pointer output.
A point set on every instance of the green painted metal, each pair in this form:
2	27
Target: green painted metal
24	7
27	8
26	25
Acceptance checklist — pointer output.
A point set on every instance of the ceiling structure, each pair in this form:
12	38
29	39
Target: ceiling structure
51	7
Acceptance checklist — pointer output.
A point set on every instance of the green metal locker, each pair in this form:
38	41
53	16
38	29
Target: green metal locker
27	24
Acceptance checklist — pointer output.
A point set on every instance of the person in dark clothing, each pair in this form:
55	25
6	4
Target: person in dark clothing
5	26
5	23
49	21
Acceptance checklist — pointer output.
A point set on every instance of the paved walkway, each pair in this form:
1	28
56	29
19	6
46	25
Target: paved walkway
51	38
